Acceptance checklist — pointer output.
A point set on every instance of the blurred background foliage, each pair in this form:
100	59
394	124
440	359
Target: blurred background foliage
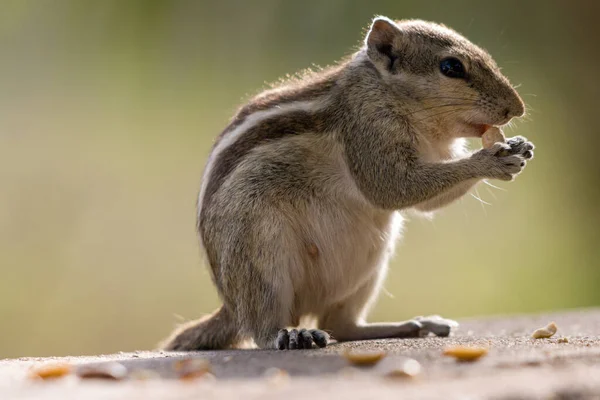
108	110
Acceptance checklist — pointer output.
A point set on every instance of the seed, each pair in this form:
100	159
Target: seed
409	369
545	332
51	371
563	340
108	370
277	376
364	358
465	353
192	368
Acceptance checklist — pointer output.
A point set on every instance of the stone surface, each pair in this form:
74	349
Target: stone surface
517	367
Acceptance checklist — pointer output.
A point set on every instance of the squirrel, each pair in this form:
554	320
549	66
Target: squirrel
303	194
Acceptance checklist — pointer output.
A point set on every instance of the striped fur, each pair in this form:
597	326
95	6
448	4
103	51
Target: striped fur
261	126
298	207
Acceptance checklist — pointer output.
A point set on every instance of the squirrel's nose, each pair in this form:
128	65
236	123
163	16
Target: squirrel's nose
516	110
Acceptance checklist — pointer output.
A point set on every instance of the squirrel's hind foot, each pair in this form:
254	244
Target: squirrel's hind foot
435	324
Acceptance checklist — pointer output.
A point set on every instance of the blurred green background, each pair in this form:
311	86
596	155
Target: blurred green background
108	110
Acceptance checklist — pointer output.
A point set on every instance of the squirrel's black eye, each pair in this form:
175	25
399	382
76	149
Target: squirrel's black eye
452	68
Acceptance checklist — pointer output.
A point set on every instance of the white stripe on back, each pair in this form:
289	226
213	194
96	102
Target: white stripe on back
250	121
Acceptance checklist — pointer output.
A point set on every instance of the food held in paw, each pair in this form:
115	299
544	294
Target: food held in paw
465	353
545	332
491	136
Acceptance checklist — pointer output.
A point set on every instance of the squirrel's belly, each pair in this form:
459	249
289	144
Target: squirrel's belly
345	249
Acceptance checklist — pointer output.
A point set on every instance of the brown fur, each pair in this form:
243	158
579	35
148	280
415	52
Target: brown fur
299	208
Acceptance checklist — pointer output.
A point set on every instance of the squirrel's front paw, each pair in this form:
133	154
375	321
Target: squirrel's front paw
519	145
505	161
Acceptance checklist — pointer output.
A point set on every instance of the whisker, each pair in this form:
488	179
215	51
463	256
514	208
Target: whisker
387	292
495	187
477	197
526	118
528	108
480	202
491	193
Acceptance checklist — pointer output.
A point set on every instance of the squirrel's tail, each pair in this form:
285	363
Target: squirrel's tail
212	332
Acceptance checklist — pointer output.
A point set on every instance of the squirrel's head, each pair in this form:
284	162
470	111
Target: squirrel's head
441	77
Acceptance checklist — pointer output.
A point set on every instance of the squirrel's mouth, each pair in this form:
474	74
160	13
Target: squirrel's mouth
477	130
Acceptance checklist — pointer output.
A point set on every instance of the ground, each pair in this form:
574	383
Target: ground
516	367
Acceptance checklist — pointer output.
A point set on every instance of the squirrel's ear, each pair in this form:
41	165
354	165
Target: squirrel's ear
380	41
